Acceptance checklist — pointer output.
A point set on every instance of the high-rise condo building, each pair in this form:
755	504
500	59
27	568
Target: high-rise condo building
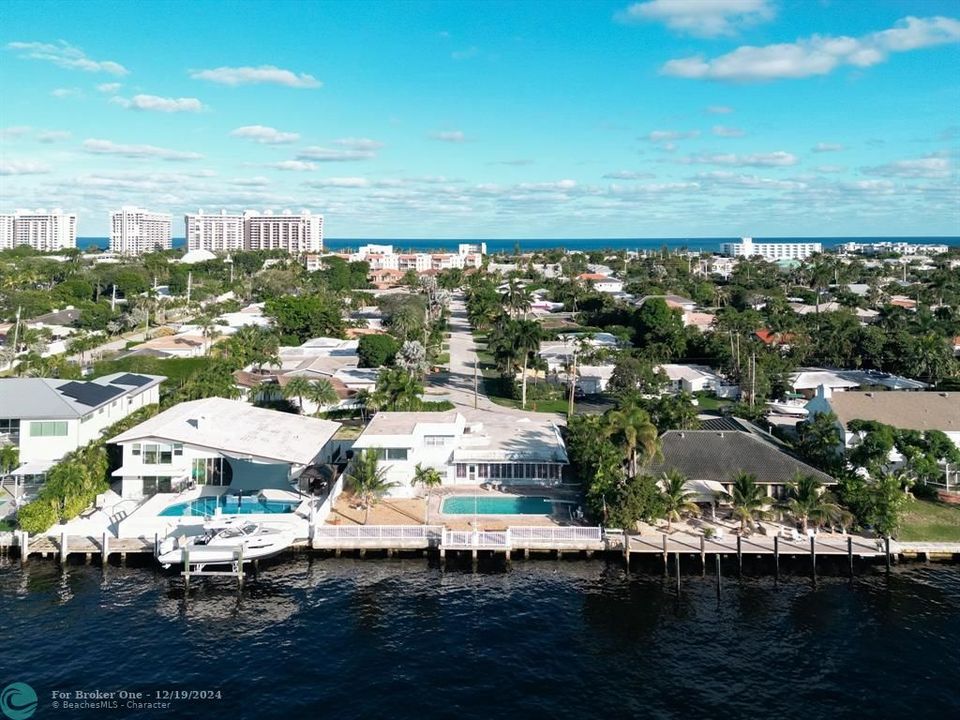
771	250
296	234
41	230
135	231
215	233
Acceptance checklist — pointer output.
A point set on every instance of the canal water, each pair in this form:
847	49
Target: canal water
341	638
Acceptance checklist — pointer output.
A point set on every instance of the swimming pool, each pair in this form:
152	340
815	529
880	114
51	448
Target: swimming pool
481	505
228	506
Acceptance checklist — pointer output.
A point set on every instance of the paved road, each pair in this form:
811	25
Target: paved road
459	383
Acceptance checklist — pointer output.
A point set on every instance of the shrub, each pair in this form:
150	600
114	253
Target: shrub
37	516
377	350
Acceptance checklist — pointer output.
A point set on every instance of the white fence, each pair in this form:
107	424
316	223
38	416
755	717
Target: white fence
557	535
476	539
377	535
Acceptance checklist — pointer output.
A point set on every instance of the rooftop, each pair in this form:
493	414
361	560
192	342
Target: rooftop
50	398
904	410
234	427
720	455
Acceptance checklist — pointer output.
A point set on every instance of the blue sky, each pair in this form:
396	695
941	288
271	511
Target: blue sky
667	118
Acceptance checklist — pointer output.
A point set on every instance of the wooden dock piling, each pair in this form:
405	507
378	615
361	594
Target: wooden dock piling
676	569
104	549
850	556
813	558
703	556
739	555
776	558
719	581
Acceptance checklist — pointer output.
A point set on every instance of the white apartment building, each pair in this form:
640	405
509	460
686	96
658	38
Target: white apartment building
42	230
501	449
771	250
46	418
221	232
135	231
296	234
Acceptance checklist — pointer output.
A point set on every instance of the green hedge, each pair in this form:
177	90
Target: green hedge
73	484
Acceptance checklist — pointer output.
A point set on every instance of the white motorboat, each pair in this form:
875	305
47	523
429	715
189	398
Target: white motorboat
789	407
225	541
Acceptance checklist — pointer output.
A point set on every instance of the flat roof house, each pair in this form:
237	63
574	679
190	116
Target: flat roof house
712	458
220	442
46	418
466	451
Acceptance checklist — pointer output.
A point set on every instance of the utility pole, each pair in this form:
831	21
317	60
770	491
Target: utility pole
573	383
753	378
16	332
113	299
189	285
475	383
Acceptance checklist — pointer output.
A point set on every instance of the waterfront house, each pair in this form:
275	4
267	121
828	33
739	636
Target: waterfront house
697	378
46	418
921	410
220	442
465	449
712	458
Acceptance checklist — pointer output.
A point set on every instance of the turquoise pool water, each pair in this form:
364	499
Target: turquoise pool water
228	506
480	505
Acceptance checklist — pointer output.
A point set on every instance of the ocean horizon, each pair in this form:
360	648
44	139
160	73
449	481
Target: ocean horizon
497	245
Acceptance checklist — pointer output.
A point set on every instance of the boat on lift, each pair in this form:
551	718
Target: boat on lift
226	541
793	404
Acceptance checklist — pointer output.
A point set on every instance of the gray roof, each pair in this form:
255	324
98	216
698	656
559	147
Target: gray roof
52	398
904	410
719	455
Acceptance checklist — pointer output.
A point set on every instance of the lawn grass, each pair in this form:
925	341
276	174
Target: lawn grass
491	385
711	402
175	370
927	520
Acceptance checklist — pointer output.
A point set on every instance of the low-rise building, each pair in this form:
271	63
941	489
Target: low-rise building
220	442
46	418
602	283
465	451
697	378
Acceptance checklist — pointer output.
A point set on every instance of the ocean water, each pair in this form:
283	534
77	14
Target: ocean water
533	245
399	639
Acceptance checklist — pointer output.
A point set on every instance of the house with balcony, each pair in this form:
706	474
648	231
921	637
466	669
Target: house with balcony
465	449
216	442
46	418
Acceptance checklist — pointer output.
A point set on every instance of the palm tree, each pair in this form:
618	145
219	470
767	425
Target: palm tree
322	393
9	459
297	387
428	478
397	390
364	401
675	497
518	298
368	480
749	499
631	429
526	340
807	501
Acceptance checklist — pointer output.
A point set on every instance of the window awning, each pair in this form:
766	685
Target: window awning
38	467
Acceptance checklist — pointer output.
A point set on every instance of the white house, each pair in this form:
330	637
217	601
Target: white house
220	442
466	451
904	410
602	283
697	378
47	418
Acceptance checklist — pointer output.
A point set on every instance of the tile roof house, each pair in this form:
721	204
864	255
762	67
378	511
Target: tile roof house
717	456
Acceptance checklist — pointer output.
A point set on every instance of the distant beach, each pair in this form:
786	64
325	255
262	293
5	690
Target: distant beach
540	244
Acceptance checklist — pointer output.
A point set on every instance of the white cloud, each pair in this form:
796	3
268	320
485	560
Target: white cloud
703	18
264	74
823	147
672	135
108	147
727	132
22	167
292	165
15	131
719	109
773	159
155	103
65	92
345	154
818	54
265	135
753	182
109	88
66	56
451	136
830	169
467	54
932	166
361	144
627	175
257	181
340	182
51	136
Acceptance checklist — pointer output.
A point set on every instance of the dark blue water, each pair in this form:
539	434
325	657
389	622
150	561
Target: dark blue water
533	245
400	639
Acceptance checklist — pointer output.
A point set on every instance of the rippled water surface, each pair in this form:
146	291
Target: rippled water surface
401	639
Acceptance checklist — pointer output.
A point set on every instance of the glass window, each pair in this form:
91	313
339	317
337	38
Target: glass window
461	470
166	455
506	471
531	470
436	440
150	485
178	449
48	429
541	470
482	470
150	454
135	449
396	453
495	470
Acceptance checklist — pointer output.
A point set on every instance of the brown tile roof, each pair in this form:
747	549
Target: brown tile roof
904	410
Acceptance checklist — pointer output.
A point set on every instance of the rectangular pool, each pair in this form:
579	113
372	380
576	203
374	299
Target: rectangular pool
483	505
228	506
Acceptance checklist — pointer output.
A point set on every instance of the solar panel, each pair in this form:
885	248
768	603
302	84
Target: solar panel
91	394
131	379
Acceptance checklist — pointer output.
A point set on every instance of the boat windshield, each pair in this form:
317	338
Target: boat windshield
231	533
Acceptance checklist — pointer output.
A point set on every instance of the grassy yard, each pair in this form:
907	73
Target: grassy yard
175	369
492	388
932	521
711	402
